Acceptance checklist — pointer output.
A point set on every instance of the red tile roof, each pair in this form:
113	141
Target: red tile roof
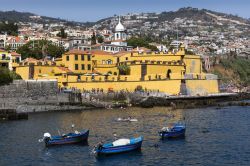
65	69
30	60
15	54
76	51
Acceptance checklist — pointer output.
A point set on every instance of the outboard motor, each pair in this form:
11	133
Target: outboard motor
46	137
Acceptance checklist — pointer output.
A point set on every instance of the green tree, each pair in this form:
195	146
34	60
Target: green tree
38	48
141	42
100	39
7	76
62	33
124	70
93	39
7	48
9	28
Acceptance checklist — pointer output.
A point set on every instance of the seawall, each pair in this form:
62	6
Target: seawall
36	96
185	102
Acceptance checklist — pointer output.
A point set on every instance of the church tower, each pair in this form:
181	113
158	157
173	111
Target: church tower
120	35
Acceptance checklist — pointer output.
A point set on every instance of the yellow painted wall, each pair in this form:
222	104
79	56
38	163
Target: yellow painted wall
39	72
107	69
167	86
59	62
135	70
202	87
158	69
23	71
150	57
43	71
193	63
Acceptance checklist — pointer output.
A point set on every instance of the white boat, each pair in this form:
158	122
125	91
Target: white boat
127	120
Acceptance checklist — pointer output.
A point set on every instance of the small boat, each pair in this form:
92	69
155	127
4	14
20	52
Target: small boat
127	120
175	130
119	146
70	138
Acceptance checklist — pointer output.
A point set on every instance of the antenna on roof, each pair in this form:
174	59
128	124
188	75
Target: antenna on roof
177	37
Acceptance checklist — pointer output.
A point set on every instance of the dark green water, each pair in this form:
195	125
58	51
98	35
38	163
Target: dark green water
213	137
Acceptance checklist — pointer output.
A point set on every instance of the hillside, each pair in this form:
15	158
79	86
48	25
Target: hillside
138	20
15	16
208	17
233	71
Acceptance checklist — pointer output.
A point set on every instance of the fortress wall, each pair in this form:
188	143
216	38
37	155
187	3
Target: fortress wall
166	86
202	87
20	92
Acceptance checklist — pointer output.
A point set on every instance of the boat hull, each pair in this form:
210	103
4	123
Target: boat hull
74	139
120	149
172	134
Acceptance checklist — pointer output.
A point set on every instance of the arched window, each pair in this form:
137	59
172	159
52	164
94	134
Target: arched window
109	61
168	73
117	35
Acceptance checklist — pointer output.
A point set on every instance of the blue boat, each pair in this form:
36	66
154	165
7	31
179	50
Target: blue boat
70	138
176	130
119	146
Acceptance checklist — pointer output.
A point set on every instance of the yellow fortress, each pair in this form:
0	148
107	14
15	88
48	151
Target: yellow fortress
170	73
117	67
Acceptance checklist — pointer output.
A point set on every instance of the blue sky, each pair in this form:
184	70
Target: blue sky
93	10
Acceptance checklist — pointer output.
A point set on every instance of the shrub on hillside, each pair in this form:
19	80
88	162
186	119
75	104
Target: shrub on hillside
240	66
7	76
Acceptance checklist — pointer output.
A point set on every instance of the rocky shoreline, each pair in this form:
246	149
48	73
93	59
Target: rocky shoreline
197	101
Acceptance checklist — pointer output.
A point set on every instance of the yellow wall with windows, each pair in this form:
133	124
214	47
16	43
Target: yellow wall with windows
102	59
76	59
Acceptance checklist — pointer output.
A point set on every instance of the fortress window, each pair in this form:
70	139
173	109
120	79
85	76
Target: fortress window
76	57
109	61
82	57
89	67
83	67
89	57
67	58
126	58
76	66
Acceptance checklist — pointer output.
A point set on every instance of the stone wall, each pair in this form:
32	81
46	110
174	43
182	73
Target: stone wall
27	92
30	88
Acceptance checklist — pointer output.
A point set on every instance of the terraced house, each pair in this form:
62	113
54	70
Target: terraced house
9	60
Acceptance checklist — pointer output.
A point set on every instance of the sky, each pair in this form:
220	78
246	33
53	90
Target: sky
93	10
